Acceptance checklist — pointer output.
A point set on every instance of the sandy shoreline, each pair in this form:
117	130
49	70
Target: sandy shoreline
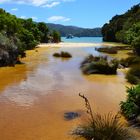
66	44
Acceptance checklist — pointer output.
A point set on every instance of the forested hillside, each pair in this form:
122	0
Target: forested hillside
124	28
76	31
18	35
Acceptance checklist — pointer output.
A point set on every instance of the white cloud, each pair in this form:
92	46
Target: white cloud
68	0
3	1
14	9
66	19
53	4
23	17
58	18
34	18
42	3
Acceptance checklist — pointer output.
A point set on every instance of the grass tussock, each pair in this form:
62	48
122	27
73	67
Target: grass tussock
99	65
62	54
102	127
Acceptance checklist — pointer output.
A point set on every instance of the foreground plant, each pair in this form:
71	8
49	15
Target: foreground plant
102	127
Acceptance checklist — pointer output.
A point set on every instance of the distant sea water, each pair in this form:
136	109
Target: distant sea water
83	40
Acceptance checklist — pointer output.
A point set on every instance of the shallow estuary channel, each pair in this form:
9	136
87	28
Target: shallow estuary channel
34	96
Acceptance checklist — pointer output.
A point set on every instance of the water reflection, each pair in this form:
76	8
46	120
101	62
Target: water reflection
12	75
46	74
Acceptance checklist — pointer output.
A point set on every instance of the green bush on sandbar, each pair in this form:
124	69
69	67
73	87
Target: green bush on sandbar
99	65
109	50
62	54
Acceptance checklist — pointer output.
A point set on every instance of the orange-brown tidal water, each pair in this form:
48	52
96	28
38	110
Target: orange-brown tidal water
35	95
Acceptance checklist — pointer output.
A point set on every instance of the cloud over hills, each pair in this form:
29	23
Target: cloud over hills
58	18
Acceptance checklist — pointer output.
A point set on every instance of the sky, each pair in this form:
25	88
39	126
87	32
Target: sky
82	13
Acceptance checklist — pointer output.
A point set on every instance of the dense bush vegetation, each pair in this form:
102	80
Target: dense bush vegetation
133	75
10	50
99	65
18	35
124	28
131	107
62	54
136	44
102	127
130	61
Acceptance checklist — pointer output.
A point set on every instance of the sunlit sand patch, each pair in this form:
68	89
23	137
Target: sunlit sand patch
63	44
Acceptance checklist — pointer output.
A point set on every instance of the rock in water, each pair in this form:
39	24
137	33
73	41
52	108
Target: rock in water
71	115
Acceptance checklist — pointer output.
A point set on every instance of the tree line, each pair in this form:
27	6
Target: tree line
124	28
76	31
18	35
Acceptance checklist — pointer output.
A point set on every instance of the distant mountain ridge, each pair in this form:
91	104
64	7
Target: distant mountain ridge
75	31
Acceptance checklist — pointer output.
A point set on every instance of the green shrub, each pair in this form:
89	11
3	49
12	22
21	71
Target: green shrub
132	79
65	54
109	50
56	37
62	54
130	61
99	65
131	107
136	44
133	75
113	50
56	55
